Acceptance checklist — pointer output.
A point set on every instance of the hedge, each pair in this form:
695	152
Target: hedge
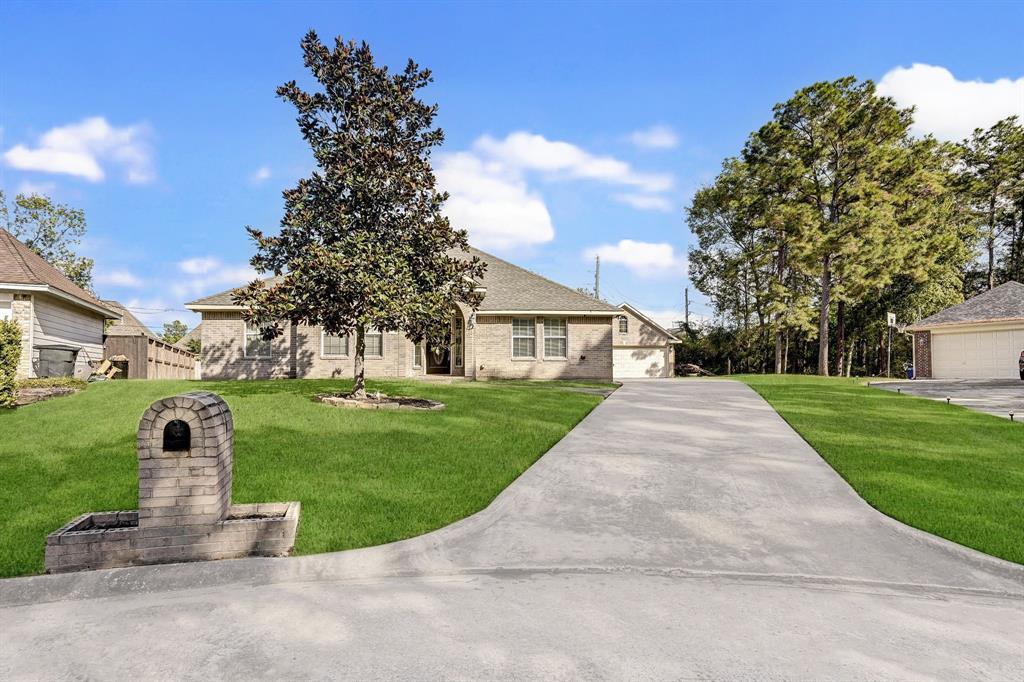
10	355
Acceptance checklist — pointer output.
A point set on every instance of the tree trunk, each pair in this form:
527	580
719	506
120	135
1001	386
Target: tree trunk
849	356
991	244
780	364
840	336
826	284
359	387
785	355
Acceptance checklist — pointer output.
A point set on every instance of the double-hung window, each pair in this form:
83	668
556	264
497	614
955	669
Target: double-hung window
555	338
417	355
524	338
333	345
623	324
374	343
255	345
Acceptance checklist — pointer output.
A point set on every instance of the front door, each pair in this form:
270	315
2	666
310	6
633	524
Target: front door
438	360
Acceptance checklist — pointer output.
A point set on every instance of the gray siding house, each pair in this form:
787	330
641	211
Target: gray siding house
527	327
61	323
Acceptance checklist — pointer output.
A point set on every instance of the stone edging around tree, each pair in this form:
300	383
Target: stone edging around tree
377	401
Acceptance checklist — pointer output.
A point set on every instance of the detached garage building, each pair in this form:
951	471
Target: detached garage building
982	338
641	348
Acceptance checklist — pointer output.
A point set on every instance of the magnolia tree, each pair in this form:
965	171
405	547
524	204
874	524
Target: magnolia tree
363	243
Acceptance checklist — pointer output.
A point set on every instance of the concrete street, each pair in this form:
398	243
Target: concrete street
681	531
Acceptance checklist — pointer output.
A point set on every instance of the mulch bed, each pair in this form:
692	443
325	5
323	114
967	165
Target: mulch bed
379	401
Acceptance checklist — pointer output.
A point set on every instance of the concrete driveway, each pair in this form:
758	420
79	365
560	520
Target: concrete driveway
681	531
993	396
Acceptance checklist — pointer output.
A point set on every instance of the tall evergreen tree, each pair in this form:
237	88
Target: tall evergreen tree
363	243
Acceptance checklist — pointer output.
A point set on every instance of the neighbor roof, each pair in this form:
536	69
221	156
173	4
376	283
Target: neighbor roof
21	265
129	325
510	289
1002	303
196	333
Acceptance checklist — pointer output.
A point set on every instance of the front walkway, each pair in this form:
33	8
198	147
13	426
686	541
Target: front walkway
681	530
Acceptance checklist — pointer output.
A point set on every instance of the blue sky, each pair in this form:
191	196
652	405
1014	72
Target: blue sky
572	129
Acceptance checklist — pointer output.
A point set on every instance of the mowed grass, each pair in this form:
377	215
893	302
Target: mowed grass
364	477
941	468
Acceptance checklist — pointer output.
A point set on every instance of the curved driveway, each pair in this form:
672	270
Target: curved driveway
682	530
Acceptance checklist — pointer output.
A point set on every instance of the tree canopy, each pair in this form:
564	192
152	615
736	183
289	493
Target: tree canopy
363	243
52	230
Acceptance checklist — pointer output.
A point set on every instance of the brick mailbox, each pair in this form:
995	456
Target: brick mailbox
185	448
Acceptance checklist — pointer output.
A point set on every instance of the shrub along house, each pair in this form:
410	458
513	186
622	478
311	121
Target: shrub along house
527	327
61	323
981	338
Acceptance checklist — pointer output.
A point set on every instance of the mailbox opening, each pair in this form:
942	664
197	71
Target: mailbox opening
177	436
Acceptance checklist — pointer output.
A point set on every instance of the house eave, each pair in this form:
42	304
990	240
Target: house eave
57	293
964	323
568	313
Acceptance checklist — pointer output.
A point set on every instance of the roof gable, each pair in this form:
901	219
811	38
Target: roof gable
648	321
21	265
1004	302
510	288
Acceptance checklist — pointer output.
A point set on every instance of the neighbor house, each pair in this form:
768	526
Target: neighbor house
641	348
134	349
527	327
981	338
61	323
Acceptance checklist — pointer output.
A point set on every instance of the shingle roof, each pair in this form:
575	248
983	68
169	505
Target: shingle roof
195	333
1004	302
129	324
21	265
509	288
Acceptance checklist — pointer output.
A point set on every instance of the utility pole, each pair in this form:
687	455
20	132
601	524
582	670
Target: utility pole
686	309
597	277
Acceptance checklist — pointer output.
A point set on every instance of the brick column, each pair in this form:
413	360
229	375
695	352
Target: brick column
923	355
21	312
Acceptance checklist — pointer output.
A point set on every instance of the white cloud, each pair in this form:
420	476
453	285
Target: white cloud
209	275
261	174
490	194
82	149
118	278
646	259
655	137
494	205
526	151
30	188
645	202
948	108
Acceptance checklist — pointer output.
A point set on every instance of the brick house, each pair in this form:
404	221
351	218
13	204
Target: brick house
981	338
527	327
61	323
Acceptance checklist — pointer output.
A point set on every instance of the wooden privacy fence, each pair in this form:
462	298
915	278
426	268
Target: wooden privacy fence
148	358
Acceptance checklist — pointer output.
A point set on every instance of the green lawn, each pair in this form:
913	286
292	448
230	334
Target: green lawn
363	477
941	468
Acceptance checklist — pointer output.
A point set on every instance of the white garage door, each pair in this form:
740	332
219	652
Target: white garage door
977	355
635	363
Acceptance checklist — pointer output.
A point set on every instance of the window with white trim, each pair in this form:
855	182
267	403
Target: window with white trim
333	345
457	343
6	310
373	343
524	337
255	345
417	354
556	340
623	324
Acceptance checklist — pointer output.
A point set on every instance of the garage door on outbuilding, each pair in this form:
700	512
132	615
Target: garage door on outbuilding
981	338
641	348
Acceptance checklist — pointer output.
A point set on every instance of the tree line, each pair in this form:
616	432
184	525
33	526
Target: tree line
834	215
